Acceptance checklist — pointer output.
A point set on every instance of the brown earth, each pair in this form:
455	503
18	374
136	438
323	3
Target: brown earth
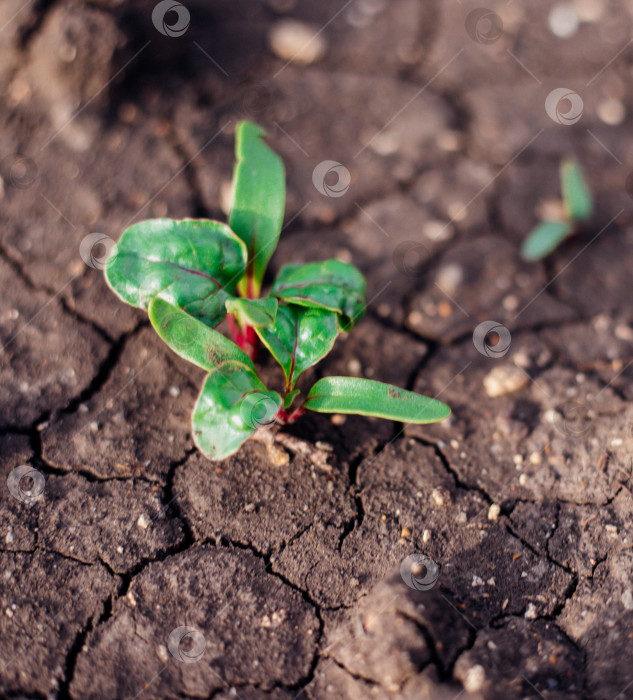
289	577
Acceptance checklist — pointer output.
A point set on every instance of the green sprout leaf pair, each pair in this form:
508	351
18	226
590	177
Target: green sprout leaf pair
578	203
190	275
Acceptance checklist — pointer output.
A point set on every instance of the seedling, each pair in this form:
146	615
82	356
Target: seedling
578	207
191	274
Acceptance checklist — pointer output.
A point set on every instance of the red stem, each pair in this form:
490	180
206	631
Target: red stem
248	340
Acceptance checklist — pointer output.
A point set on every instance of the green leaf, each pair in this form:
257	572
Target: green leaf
545	238
259	195
233	403
253	312
331	284
299	338
576	194
366	397
191	338
193	264
290	397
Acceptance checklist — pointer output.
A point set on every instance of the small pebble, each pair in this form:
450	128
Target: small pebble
536	458
449	278
477	581
438	230
426	536
523	479
295	41
415	318
142	522
531	612
551	416
611	112
563	20
162	653
338	419
405	532
504	380
174	391
627	599
354	367
623	332
119	549
449	140
494	511
438	497
475	679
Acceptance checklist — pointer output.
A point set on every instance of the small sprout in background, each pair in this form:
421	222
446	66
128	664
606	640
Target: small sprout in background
578	207
190	275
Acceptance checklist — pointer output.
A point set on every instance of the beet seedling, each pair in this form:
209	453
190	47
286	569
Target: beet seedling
578	207
191	274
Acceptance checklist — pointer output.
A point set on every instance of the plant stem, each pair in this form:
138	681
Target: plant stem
246	339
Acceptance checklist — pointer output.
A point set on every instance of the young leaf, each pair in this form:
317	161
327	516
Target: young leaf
253	312
299	339
366	397
191	338
193	264
576	195
545	238
331	284
233	403
290	397
259	195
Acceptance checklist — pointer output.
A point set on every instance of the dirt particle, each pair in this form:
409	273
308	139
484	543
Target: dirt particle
275	619
405	532
354	367
142	522
162	653
475	679
494	511
440	497
531	613
504	380
552	417
444	309
449	278
295	41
